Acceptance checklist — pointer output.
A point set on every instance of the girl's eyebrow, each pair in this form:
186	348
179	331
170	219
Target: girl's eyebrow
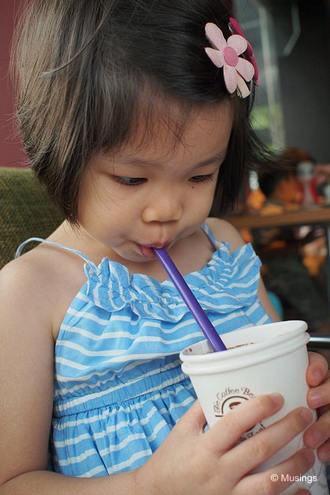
144	162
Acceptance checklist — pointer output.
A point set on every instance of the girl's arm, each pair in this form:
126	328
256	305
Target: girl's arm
45	482
26	391
269	308
224	231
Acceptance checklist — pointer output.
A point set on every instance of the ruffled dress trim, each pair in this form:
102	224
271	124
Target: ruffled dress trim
229	281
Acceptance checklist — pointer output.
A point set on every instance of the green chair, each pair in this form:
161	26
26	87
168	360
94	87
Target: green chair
25	211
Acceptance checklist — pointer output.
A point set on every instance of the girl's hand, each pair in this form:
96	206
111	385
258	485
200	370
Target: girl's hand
318	378
192	461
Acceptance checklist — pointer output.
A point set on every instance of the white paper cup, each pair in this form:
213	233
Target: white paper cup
270	358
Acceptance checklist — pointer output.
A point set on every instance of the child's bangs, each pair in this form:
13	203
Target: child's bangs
142	116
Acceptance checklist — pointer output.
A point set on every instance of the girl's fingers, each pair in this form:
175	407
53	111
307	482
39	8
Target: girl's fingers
323	452
317	370
265	444
319	396
319	432
193	422
228	430
278	478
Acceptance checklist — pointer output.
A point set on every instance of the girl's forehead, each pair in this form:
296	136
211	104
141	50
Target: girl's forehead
205	131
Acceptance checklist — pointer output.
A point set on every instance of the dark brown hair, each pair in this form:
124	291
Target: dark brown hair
86	71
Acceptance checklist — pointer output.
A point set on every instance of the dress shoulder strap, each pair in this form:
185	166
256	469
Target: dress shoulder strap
209	233
52	243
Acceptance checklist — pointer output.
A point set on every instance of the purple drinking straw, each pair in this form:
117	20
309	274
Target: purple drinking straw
191	301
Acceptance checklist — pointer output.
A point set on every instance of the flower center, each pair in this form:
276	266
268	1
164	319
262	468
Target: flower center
230	56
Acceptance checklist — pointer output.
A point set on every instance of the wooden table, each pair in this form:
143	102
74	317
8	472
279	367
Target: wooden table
312	216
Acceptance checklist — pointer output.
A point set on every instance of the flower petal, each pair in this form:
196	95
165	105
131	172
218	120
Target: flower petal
245	69
215	56
243	89
230	76
238	43
214	34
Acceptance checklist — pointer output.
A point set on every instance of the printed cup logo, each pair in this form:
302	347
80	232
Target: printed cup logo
229	399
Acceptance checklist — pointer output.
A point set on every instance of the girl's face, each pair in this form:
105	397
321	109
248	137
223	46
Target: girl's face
156	195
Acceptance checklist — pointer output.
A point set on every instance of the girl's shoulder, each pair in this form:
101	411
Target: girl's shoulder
223	231
27	363
24	275
47	278
26	282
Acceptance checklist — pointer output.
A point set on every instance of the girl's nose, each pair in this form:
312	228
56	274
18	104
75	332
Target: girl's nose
163	211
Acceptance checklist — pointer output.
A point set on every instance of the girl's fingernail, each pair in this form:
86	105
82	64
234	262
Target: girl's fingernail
277	399
324	454
306	414
315	398
317	376
316	438
309	456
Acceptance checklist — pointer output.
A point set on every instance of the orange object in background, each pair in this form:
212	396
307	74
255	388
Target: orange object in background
255	200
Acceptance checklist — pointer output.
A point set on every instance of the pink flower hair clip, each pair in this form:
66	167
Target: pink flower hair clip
236	70
237	29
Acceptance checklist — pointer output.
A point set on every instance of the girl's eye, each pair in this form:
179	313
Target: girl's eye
129	181
137	181
202	178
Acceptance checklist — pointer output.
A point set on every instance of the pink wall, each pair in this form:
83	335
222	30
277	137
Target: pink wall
11	153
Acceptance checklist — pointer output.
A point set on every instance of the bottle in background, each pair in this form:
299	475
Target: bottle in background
306	176
326	193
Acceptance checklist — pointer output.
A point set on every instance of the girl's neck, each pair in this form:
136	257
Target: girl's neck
183	253
79	238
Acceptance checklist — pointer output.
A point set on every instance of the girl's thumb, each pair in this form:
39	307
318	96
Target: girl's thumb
194	420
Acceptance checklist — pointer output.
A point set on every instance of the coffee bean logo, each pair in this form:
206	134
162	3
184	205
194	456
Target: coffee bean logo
226	403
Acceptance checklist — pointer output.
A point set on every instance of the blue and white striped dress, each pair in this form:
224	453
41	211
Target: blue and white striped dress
119	388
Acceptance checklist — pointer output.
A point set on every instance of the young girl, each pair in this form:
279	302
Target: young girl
135	114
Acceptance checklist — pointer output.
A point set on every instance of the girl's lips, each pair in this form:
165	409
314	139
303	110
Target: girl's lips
147	251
